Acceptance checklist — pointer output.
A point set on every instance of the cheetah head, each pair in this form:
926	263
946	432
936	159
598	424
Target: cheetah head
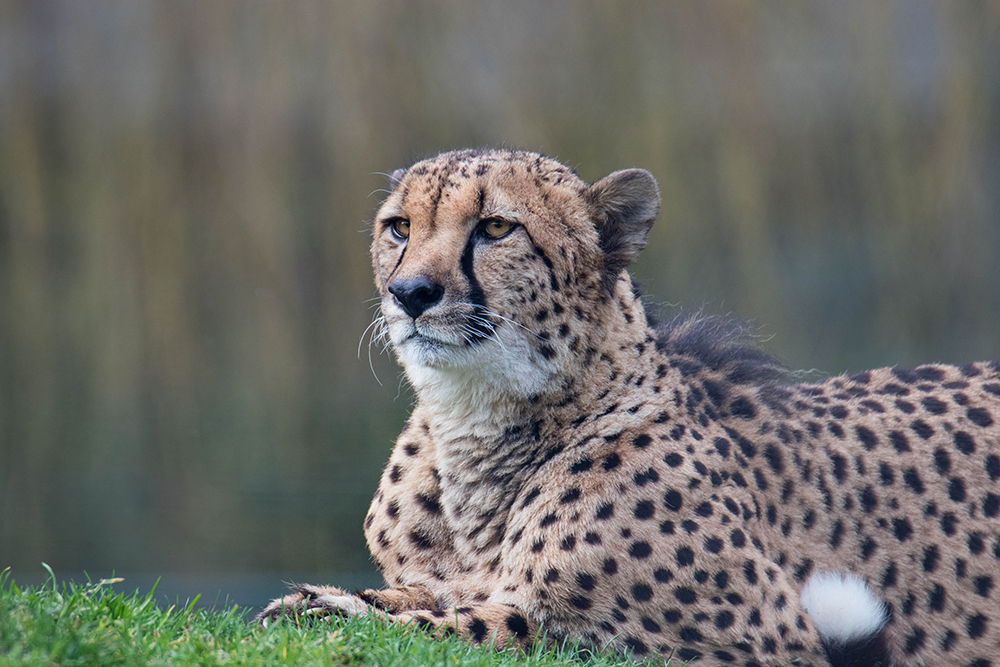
489	263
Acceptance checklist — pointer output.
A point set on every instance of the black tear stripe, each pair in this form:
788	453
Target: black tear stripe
481	330
548	262
398	262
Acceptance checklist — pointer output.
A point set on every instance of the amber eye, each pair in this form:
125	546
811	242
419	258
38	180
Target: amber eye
400	228
495	227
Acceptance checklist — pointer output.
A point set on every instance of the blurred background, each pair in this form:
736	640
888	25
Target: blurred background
185	189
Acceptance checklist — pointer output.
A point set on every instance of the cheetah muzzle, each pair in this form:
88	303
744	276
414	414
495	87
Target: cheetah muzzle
573	469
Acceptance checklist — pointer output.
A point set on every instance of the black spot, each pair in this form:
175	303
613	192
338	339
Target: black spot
976	544
991	505
724	619
637	646
912	480
611	461
839	467
548	520
905	406
568	543
689	634
979	417
551	576
640	550
899	441
867	439
722	447
885	473
704	510
643	478
674	459
537	546
663	575
532	495
931	558
942	461
737	538
774	459
976	626
750	572
420	540
478	630
915	641
902	529
889	575
684	654
395	474
934	406
685	556
673	501
642	441
641	592
948	522
935	598
983	585
570	496
517	625
742	407
713	545
605	511
956	489
580	602
585	581
869	501
411	450
392	509
610	566
583	465
993	467
921	428
644	509
685	595
868	548
837	534
964	442
649	625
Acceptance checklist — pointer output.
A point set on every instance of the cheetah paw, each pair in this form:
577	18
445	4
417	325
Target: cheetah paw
309	600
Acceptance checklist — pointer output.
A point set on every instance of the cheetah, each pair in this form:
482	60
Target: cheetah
573	469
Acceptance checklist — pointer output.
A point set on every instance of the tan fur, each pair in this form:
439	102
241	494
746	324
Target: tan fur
568	469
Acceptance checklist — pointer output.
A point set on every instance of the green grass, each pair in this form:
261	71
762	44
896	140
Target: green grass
69	624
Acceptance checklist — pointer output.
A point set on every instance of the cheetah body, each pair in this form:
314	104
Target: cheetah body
572	468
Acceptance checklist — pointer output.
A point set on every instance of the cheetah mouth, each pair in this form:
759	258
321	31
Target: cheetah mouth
442	335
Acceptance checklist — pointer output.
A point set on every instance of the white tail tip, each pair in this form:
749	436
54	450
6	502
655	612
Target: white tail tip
842	607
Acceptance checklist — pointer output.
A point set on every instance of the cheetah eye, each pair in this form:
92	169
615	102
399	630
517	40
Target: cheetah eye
400	228
496	228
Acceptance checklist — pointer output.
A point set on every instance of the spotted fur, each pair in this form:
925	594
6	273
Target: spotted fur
573	469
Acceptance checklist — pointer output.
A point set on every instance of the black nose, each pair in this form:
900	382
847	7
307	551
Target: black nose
416	295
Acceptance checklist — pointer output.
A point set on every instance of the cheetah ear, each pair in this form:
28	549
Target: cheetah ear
625	205
396	178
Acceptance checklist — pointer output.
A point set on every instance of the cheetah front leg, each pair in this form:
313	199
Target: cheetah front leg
500	624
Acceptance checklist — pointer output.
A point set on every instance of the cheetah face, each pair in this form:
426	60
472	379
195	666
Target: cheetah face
471	248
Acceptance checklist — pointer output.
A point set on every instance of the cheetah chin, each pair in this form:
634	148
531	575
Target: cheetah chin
575	470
